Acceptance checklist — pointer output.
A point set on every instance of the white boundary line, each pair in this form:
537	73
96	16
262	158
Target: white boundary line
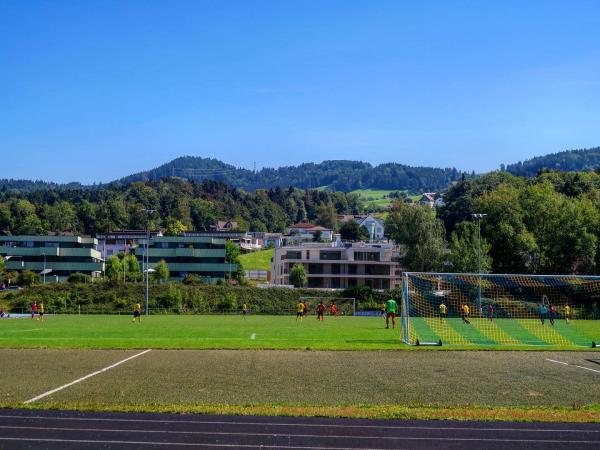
300	424
291	435
572	365
60	388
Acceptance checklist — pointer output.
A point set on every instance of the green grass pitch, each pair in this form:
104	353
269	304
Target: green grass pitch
271	332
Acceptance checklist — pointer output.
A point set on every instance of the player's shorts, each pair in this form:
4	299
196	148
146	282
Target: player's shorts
320	314
136	314
392	315
245	311
41	314
299	314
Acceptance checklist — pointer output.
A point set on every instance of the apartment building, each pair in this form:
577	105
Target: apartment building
53	257
202	256
121	241
339	265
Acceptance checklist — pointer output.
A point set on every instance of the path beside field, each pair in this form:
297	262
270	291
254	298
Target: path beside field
71	430
241	377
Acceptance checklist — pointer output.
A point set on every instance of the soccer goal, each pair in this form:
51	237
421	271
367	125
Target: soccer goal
344	306
510	310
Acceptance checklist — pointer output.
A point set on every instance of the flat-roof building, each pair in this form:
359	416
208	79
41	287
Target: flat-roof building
56	257
339	265
201	256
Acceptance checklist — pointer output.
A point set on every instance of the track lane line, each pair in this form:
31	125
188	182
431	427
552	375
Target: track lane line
273	435
79	380
292	424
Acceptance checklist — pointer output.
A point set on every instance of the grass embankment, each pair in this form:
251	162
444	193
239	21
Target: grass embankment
260	260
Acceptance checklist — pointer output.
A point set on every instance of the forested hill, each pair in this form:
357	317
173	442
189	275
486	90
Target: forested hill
31	186
336	175
567	161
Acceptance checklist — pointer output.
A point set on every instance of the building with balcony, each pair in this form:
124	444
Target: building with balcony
201	256
55	257
339	265
121	241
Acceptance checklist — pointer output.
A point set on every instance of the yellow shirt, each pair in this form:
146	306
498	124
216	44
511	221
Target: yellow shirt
41	307
300	307
443	309
567	310
137	307
245	306
466	309
383	306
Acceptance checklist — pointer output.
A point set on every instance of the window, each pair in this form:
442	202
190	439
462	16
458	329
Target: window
331	256
366	256
293	255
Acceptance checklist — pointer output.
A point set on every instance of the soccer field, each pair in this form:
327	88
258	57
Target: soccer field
279	332
199	332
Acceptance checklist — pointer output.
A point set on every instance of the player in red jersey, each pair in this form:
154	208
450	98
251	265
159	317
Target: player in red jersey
321	311
333	309
33	309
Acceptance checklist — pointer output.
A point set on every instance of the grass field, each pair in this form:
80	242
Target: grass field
271	332
260	260
460	385
198	332
374	197
507	332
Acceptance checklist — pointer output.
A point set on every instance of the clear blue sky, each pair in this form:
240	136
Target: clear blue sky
95	90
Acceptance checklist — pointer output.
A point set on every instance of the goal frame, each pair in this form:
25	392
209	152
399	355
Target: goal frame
405	303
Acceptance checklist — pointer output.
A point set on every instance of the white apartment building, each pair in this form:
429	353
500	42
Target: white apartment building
339	265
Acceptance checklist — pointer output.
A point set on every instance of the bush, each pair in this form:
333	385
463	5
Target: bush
79	278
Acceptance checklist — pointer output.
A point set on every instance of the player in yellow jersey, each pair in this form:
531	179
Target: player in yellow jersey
244	311
137	312
42	317
567	313
464	310
383	310
299	311
443	311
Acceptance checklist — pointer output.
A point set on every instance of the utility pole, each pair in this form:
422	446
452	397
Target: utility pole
147	259
478	217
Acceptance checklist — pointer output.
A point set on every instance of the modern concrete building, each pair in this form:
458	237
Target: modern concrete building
339	265
121	241
53	257
202	256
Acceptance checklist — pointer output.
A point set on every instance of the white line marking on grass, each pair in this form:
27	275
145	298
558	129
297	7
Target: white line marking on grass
558	362
253	336
293	424
573	365
60	388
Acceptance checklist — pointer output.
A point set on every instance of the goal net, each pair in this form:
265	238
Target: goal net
510	310
343	306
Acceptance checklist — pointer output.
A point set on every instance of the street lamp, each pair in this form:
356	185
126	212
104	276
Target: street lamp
478	217
146	266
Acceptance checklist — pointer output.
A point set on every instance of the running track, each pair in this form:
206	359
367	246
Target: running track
74	430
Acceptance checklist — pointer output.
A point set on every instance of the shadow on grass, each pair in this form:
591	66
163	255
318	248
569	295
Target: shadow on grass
373	341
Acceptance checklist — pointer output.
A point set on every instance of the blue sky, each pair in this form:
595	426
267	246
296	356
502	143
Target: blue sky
92	91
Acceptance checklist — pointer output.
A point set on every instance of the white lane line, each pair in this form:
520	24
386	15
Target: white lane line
253	336
292	424
60	388
273	435
164	444
191	444
573	365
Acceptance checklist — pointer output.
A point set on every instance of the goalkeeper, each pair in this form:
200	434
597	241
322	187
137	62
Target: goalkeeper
443	311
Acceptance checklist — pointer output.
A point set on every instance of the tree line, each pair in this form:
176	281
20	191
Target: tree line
549	224
180	205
